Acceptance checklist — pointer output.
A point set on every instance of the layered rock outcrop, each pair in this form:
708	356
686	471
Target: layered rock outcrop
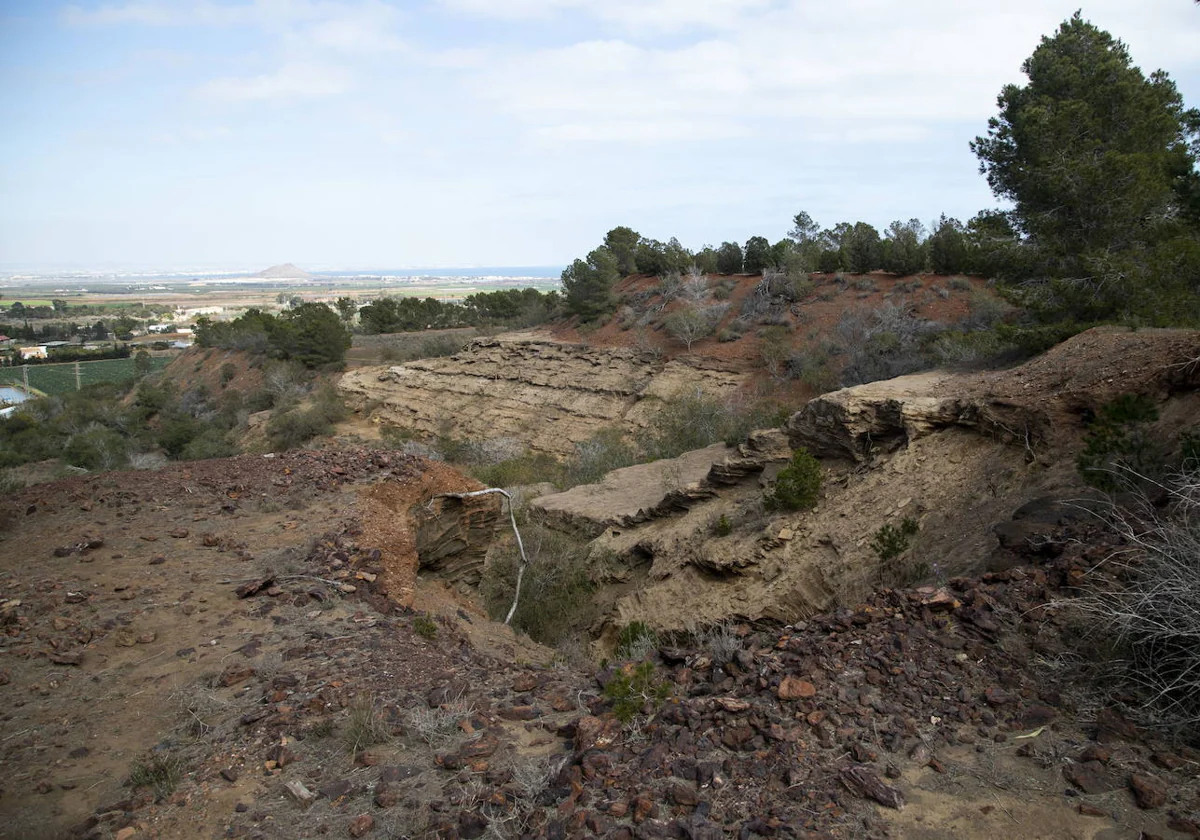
956	453
546	394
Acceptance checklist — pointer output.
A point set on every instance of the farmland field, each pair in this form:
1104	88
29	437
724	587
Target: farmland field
30	302
60	378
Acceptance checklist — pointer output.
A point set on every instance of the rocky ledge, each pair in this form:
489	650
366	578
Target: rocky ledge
547	394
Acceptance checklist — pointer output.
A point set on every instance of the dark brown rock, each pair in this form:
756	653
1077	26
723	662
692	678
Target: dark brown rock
1183	825
1090	777
794	688
254	587
336	789
864	782
593	733
234	674
1112	726
682	793
387	795
1150	792
361	825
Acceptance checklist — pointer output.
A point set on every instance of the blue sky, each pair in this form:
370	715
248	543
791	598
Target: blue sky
364	133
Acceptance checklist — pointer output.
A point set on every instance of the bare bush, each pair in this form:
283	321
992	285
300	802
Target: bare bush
1151	607
365	726
693	322
439	726
720	641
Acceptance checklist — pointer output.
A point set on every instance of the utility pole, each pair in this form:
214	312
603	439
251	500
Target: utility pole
25	378
77	376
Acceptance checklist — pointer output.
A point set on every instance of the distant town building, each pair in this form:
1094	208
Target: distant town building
187	314
38	352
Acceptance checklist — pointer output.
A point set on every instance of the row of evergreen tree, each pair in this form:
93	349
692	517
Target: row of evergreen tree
1097	161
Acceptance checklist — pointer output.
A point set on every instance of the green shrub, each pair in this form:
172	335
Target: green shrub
161	772
10	483
1118	447
603	452
721	526
97	448
211	443
425	627
890	542
528	468
365	727
634	688
228	372
798	485
556	591
295	427
636	641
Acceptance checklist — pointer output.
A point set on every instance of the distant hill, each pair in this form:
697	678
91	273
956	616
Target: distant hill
287	271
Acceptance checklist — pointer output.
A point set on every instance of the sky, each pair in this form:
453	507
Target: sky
371	134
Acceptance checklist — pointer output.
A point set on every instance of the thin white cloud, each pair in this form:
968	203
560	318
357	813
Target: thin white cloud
811	68
193	135
351	36
640	131
340	20
656	15
292	81
160	13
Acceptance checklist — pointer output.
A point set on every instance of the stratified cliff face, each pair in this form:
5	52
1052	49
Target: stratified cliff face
956	453
547	394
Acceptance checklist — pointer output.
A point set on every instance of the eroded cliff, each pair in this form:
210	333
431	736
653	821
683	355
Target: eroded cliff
955	453
546	394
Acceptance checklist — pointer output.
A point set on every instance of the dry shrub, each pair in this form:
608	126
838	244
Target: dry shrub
1150	603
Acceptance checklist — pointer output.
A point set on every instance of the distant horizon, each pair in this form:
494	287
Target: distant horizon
8	272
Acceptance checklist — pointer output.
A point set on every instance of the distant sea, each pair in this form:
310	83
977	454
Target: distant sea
541	271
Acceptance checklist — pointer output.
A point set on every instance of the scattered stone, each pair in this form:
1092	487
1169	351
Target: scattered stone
1148	791
299	792
682	793
525	682
794	688
254	587
997	696
1183	825
230	774
234	674
1167	761
1090	777
592	733
336	790
361	825
74	657
863	781
157	560
387	794
643	808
